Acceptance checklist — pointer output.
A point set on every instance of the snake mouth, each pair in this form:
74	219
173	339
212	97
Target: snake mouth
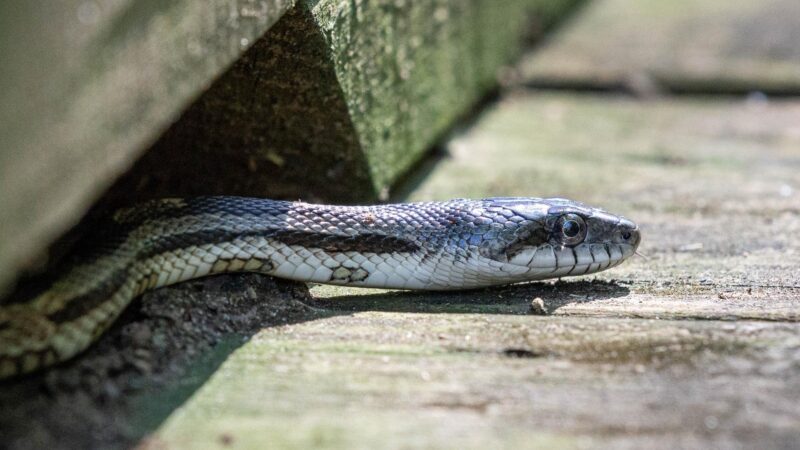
582	259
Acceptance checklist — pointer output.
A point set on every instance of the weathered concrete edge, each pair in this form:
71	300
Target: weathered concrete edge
104	96
404	94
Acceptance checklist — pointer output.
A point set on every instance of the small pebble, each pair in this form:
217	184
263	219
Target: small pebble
140	333
226	439
537	307
691	247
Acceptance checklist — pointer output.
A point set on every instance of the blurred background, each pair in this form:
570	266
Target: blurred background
681	115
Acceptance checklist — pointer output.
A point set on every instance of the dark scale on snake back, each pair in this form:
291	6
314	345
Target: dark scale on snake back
176	208
79	306
377	243
106	237
333	243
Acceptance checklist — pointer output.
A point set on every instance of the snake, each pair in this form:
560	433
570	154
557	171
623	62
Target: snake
447	245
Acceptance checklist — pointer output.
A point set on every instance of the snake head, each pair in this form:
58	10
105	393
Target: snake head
559	237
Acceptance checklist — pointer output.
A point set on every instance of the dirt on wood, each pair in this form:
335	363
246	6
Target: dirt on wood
89	402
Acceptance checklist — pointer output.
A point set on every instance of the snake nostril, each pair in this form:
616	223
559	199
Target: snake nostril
626	235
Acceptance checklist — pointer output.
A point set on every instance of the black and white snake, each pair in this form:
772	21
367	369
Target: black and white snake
458	244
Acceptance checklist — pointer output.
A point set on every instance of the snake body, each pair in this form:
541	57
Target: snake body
457	244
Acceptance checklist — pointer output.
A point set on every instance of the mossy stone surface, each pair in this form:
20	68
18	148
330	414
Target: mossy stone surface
408	70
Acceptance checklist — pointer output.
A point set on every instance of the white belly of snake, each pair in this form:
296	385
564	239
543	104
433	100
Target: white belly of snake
459	244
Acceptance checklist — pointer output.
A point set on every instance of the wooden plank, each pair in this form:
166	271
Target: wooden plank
86	86
657	353
648	46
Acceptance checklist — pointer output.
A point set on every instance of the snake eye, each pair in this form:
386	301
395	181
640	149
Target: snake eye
571	229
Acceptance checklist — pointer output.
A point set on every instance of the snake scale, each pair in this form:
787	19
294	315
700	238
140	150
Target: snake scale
457	244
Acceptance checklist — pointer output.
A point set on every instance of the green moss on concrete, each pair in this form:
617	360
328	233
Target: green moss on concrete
408	70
